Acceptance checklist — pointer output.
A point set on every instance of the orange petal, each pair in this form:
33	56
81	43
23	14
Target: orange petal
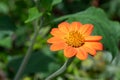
57	46
93	38
56	32
69	51
81	54
86	29
89	49
74	26
95	45
63	27
55	40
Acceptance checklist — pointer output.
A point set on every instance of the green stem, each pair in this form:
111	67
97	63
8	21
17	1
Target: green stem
29	51
61	70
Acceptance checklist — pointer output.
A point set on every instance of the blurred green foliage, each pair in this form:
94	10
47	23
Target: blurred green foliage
17	21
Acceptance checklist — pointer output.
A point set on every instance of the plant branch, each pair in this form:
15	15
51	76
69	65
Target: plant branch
29	51
61	70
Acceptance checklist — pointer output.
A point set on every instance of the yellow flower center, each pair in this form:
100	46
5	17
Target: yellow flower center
74	39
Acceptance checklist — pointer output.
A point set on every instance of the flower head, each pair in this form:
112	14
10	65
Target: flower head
75	39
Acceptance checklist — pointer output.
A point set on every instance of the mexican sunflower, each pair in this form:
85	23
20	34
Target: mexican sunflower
75	39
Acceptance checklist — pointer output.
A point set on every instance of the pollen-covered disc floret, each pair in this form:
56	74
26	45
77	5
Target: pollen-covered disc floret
74	39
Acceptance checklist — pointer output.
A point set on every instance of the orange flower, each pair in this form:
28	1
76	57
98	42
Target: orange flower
75	40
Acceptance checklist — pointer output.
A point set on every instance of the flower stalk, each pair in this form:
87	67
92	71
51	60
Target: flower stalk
61	70
29	51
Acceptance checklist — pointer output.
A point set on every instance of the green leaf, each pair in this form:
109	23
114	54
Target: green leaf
116	60
6	42
114	7
6	39
45	5
56	2
4	8
102	26
33	14
38	62
107	56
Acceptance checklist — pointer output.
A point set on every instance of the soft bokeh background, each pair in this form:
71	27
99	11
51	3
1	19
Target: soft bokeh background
17	21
